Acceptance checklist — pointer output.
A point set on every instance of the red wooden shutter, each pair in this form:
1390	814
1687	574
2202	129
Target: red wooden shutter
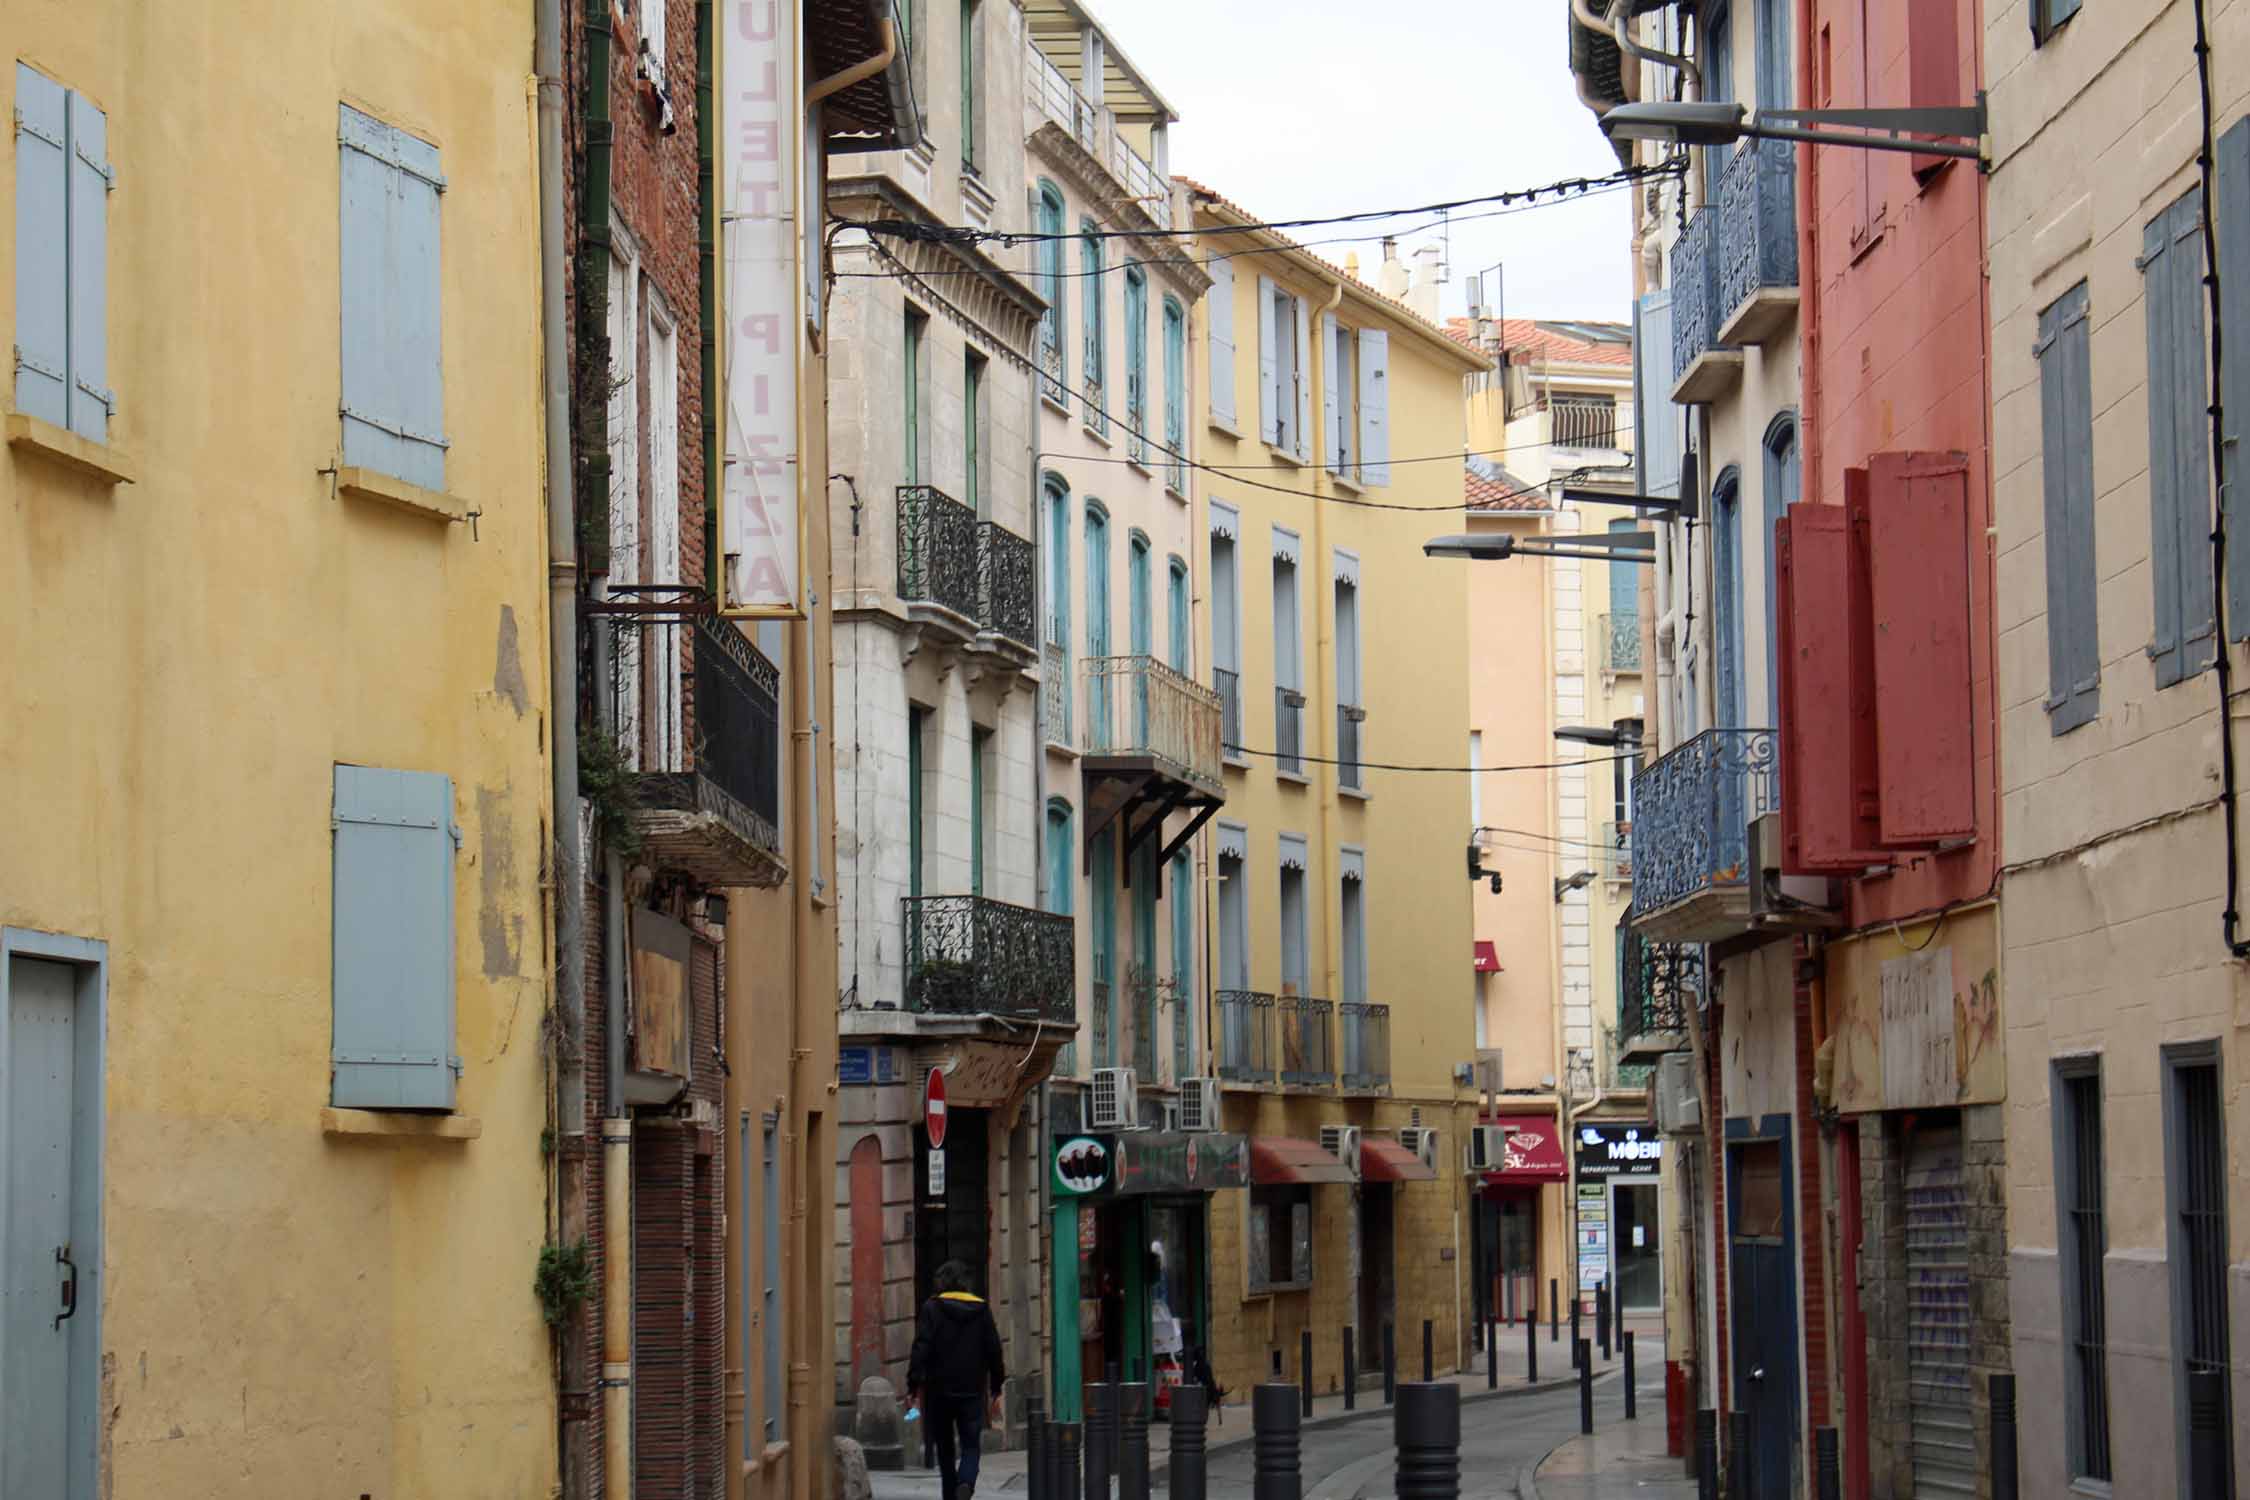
1933	66
1828	776
1918	573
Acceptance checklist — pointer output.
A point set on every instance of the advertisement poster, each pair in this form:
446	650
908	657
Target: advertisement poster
1593	1235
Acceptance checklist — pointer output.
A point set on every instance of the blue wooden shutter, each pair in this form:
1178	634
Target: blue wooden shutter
1219	332
1300	366
2179	446
1657	441
1269	404
1374	407
2066	417
90	399
393	386
1177	608
1331	376
42	355
2232	167
392	934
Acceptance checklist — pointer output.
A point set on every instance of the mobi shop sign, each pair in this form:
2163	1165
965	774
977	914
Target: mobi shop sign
1618	1150
760	114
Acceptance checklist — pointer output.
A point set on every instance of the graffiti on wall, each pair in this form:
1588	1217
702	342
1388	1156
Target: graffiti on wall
1916	1021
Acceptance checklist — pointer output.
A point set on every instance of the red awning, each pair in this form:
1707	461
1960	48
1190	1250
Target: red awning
1283	1158
1487	956
1384	1160
1535	1151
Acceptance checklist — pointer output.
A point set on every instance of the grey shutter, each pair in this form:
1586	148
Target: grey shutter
89	271
1374	407
2066	417
2179	445
394	396
1219	305
1300	365
1329	433
392	931
2232	168
1269	407
1657	435
42	354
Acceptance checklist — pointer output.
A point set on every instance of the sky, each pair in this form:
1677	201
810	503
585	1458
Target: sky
1294	108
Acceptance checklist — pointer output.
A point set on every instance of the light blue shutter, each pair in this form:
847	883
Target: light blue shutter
42	355
1219	328
393	940
1329	432
90	398
1301	367
2066	417
1374	407
2232	167
1657	438
393	387
2179	446
1269	405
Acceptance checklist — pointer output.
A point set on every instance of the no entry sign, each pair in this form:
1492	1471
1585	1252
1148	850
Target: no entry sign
933	1108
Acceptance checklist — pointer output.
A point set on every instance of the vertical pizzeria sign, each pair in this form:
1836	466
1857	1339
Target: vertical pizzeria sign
759	532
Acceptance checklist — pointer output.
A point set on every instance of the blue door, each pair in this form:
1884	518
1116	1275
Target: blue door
1762	1304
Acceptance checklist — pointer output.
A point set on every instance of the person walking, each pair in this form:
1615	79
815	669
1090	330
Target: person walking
954	1374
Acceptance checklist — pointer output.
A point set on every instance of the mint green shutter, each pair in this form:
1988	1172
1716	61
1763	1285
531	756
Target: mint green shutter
392	936
393	380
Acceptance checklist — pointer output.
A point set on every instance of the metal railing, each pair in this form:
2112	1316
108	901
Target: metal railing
1105	1026
1054	688
737	741
1095	414
1349	716
1307	1053
1691	814
1007	583
1620	641
1289	730
1136	401
1229	687
1757	225
1695	291
1058	98
1143	988
1660	985
1245	1022
1583	422
1141	181
1183	1027
970	955
1617	851
1364	1037
1136	705
937	549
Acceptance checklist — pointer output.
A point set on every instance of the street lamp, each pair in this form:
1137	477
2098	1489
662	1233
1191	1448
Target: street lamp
1587	734
1611	546
1722	122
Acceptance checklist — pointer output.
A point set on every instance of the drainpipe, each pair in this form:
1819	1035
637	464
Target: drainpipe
1620	25
858	71
1324	643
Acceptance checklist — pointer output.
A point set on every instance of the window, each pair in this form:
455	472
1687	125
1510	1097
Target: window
1350	713
1295	946
980	755
1136	363
1234	909
1176	603
2083	1237
972	430
1583	421
1284	390
393	385
1175	396
1726	597
1218	311
1051	287
1476	781
1094	357
1226	624
972	81
1102	946
1620	645
1352	924
2066	419
392	940
650	15
2195	1131
1760	1198
776	1315
1339	402
1374	392
666	723
1140	626
62	257
914	382
1280	1237
1062	868
1098	725
1058	608
2047	17
917	793
1718	80
2179	451
1783	484
1288	661
626	388
1775	59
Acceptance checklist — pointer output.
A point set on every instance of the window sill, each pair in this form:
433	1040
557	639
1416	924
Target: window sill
1140	468
1356	793
1220	424
383	1124
1272	1288
1287	457
1234	762
1344	481
1095	433
1057	404
368	484
1057	747
1294	778
1175	492
768	1457
82	456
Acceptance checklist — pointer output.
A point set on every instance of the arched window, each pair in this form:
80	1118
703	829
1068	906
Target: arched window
1062	866
1784	480
1098	725
1051	287
1136	363
1175	395
1726	598
1095	361
1176	612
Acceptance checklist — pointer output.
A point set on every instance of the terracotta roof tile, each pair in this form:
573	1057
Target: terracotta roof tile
1554	339
1487	486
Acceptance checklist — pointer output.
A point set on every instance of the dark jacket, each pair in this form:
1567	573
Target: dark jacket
956	1349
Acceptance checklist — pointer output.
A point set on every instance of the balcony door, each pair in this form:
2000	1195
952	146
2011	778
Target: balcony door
1138	609
1726	600
1098	729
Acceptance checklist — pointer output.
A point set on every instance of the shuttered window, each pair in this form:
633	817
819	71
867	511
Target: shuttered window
1657	438
1094	357
1919	581
1175	395
1295	944
1374	407
1219	334
2179	456
2066	419
2232	169
62	257
393	387
392	934
1051	330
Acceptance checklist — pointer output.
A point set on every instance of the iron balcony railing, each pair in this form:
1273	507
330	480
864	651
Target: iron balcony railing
1007	584
1757	224
1058	98
1349	716
1620	641
1136	411
1245	1019
1695	291
1175	445
1660	985
1691	815
1617	851
1052	384
970	955
1137	706
1229	685
1364	1037
1054	688
1307	1052
1581	422
937	549
1289	730
721	820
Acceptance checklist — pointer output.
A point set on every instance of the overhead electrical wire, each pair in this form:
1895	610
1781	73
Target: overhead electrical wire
1378	765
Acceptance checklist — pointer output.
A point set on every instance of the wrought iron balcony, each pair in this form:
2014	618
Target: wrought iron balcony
1245	1020
1229	686
1617	851
1364	1035
1007	584
1307	1053
1702	369
1583	422
1349	775
1620	642
1054	689
1289	730
1661	984
1757	242
720	822
968	955
1139	709
1691	834
937	550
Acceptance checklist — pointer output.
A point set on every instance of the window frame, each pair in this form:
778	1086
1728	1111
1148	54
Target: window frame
2084	1453
1289	1197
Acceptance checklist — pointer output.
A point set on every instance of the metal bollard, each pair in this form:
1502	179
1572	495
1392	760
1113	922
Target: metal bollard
1585	1389
1351	1371
1101	1427
1554	1309
1828	1475
1132	1441
1575	1340
1063	1439
1491	1354
1706	1453
1427	1348
1602	1312
1738	1460
1304	1368
1427	1432
2207	1435
1275	1433
1390	1364
1190	1472
2002	1391
1627	1340
1035	1446
1531	1350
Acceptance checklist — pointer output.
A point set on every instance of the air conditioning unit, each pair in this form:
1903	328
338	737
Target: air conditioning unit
1422	1141
1679	1109
1342	1142
1785	900
1199	1105
1488	1148
1115	1103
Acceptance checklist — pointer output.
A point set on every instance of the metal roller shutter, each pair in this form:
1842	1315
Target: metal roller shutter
1937	1317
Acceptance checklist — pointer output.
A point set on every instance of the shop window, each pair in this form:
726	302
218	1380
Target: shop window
1759	1195
1280	1238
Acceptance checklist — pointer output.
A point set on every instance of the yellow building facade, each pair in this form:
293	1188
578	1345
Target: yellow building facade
273	793
1338	906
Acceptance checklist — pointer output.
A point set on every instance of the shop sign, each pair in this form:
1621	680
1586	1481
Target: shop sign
867	1065
1618	1150
1082	1165
1172	1161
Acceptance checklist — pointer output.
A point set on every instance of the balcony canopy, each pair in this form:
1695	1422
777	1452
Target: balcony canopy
1382	1160
1283	1159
